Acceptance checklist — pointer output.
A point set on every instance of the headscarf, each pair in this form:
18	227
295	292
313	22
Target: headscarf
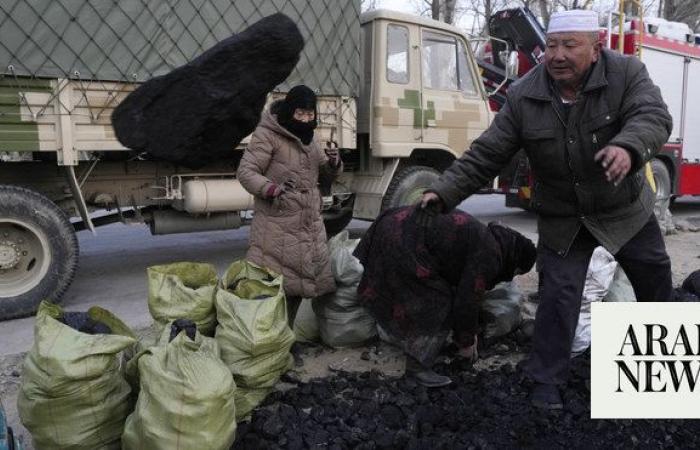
518	253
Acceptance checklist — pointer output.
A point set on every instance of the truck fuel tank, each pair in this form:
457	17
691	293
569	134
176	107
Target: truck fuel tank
207	195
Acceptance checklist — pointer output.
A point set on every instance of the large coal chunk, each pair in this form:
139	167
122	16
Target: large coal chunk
199	112
81	321
692	283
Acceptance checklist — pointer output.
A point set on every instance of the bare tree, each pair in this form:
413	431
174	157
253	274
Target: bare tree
444	10
482	10
546	9
449	6
368	5
687	11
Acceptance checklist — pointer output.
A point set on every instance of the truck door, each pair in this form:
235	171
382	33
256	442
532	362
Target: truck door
454	109
396	103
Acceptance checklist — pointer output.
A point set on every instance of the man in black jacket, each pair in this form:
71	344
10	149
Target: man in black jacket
589	120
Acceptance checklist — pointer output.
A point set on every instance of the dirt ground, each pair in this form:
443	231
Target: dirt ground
319	361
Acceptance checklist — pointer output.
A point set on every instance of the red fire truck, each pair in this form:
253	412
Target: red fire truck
673	64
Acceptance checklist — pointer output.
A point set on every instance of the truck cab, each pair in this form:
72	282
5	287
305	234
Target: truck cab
421	104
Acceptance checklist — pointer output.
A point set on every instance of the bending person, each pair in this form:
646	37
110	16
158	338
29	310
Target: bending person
422	282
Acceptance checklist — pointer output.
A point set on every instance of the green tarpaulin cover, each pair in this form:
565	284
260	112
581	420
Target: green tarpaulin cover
135	40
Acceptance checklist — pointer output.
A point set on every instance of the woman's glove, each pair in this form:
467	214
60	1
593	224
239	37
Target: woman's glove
273	191
333	155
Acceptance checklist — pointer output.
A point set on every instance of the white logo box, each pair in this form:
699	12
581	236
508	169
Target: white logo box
638	393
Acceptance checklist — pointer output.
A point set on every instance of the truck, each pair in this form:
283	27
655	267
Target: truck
401	97
671	54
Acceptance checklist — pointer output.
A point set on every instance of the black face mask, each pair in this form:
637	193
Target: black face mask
303	130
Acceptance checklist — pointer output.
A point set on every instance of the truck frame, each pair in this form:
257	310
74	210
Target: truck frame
400	96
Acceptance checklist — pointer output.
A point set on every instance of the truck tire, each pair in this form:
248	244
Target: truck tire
336	223
662	179
336	220
38	251
407	186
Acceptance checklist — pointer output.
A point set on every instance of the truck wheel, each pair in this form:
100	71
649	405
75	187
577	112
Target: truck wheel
407	186
336	220
662	179
38	251
336	223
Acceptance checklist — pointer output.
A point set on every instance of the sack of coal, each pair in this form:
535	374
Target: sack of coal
199	112
186	397
342	321
252	331
183	290
73	393
500	309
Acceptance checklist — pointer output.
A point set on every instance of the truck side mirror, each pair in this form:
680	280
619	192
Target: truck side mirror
512	65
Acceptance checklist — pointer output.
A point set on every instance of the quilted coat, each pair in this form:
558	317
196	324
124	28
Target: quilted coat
287	234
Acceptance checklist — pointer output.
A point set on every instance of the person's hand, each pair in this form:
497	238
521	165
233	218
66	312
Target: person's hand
273	191
332	154
470	352
430	206
616	161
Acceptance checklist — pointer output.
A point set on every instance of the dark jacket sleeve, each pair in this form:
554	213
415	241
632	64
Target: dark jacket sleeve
646	123
488	154
478	275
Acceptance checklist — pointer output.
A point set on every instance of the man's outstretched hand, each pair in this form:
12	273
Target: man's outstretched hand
430	206
616	161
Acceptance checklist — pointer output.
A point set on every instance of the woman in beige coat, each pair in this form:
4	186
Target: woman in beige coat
280	168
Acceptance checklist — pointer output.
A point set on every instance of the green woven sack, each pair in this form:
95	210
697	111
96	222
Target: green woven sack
183	290
73	394
252	328
306	323
186	400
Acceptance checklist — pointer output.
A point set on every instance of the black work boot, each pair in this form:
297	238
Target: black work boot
546	396
425	376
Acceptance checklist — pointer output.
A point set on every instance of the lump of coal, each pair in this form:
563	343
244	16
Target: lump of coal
82	322
681	295
200	111
692	283
186	325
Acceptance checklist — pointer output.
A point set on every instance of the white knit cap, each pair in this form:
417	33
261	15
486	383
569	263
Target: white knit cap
573	21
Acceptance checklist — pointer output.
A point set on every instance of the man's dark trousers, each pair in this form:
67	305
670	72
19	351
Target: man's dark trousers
562	278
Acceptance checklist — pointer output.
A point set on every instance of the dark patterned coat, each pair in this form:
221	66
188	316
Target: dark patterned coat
420	283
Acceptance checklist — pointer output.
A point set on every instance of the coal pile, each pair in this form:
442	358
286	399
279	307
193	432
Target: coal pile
480	410
81	321
199	112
